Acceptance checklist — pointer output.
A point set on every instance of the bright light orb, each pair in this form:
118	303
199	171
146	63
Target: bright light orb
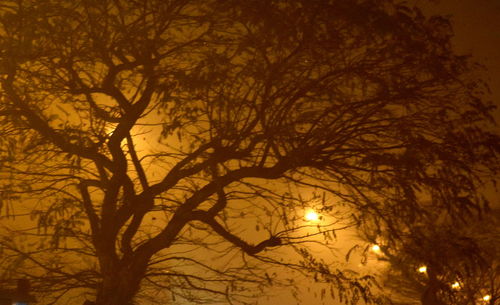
455	285
487	298
376	248
312	216
422	269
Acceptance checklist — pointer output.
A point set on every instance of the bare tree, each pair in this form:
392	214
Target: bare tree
170	147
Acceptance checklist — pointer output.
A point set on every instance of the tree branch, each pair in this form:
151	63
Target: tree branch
208	219
137	163
89	209
42	127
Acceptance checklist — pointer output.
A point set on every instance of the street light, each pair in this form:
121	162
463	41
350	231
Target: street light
311	215
376	249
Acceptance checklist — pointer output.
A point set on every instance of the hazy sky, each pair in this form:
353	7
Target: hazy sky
477	32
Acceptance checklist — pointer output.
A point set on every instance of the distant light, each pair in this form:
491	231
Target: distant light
455	285
422	269
487	298
376	248
311	216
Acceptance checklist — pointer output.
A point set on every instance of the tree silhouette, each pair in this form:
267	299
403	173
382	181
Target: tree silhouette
172	146
461	260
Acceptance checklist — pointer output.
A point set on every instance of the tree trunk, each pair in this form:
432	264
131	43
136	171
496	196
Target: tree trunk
119	286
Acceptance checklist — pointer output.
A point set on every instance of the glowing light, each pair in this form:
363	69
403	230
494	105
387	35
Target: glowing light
376	248
422	269
311	216
487	298
455	285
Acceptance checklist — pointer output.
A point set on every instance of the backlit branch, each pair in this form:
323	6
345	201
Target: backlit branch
209	219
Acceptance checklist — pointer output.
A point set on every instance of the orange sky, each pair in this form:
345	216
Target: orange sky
477	32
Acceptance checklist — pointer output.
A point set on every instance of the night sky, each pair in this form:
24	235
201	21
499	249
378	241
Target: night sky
477	32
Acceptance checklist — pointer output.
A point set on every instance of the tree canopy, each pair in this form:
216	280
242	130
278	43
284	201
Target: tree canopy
170	148
444	262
